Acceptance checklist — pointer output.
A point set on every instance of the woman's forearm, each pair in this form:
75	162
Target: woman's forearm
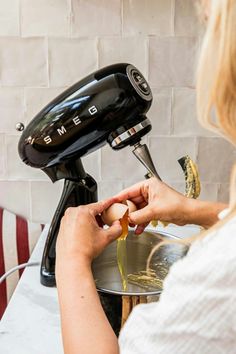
85	328
203	213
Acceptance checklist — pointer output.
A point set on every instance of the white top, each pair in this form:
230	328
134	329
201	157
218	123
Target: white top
197	309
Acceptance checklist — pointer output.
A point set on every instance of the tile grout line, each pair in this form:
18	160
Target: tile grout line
196	147
47	60
24	105
70	19
147	56
171	112
122	18
173	18
5	157
218	191
30	200
19	19
98	44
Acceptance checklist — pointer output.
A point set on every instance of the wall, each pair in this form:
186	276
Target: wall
47	45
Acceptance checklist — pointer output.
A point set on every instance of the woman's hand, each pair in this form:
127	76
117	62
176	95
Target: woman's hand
80	236
155	200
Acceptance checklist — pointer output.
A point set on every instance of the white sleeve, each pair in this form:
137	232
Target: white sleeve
196	312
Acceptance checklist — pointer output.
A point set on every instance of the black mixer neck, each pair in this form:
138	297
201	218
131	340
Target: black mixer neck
72	170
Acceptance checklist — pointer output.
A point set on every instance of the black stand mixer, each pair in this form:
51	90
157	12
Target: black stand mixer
106	106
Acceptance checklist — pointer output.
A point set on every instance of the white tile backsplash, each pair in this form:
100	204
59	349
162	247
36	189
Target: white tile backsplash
70	60
15	197
186	20
2	156
47	45
120	165
172	61
160	112
45	18
23	61
107	189
9	18
11	108
215	158
131	50
45	198
184	113
166	151
92	18
147	17
92	164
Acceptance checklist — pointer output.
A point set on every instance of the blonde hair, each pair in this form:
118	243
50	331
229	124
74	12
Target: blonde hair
216	90
216	76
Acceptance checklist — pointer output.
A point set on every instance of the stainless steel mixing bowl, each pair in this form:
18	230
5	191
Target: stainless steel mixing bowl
116	302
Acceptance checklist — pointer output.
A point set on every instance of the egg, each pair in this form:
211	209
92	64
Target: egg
115	212
119	211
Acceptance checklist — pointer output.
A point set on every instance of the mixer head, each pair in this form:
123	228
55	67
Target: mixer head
106	106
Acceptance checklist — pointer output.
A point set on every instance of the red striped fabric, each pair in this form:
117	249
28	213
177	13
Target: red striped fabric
3	288
16	243
22	241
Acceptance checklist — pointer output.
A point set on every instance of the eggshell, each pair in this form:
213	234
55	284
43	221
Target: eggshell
125	226
115	212
132	207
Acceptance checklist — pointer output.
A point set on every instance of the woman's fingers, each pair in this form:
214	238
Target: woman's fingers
140	228
99	207
138	200
130	192
141	216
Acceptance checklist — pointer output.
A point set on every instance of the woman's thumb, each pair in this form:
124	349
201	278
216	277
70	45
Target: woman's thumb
114	231
141	216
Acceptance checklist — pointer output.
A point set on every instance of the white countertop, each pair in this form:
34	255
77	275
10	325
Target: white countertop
31	323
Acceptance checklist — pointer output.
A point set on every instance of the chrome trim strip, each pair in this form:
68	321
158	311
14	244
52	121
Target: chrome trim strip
131	131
